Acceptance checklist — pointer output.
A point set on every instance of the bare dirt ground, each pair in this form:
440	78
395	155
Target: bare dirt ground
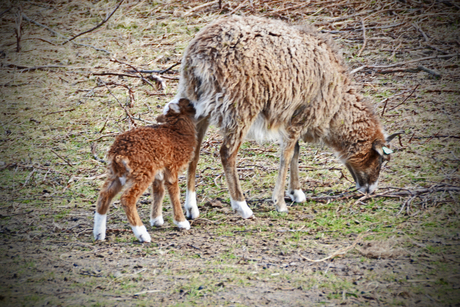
63	102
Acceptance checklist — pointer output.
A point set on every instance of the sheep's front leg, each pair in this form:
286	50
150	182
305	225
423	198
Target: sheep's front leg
295	192
128	201
285	159
191	208
110	188
158	193
228	155
173	189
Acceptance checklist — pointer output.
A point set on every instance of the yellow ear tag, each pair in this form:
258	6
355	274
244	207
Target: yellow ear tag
387	150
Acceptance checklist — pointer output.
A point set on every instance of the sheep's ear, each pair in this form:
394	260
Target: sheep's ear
391	137
378	147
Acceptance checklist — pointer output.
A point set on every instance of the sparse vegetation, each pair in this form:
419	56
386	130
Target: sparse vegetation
61	104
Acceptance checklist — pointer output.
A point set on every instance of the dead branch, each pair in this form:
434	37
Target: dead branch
18	29
412	70
69	110
338	252
405	99
364	38
40	25
99	25
389	194
63	159
131	120
157	71
199	7
156	78
405	62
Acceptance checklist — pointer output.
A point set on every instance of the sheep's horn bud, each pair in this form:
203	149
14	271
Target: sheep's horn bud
389	138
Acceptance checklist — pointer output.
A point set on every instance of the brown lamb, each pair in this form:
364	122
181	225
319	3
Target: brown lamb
149	155
270	81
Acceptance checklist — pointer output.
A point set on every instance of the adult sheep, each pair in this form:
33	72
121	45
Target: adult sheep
267	80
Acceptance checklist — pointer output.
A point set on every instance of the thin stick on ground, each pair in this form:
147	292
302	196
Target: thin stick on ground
364	38
62	158
98	26
341	251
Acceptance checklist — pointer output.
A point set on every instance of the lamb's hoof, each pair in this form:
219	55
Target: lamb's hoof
99	236
242	208
183	225
191	209
297	196
158	221
192	213
141	234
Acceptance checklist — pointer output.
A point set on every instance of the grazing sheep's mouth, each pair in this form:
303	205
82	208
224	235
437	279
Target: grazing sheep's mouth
360	185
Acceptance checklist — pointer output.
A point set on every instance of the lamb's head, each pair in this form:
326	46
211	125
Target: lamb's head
174	108
365	164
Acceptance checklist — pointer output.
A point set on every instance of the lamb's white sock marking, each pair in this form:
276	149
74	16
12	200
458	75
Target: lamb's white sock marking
298	196
100	221
241	207
184	225
158	221
141	233
191	209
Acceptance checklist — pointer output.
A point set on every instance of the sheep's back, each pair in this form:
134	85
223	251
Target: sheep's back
239	68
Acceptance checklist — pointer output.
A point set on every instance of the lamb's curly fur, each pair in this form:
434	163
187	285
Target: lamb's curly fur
264	79
143	155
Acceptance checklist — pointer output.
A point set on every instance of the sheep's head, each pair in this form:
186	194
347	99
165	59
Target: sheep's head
183	106
365	166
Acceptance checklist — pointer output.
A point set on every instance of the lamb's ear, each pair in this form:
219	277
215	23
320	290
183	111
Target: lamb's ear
183	102
161	118
391	137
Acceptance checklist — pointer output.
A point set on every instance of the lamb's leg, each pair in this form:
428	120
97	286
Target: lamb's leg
191	208
158	192
174	193
294	191
286	157
128	201
228	154
110	188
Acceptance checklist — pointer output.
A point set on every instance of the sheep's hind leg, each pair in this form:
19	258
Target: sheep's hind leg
110	188
158	193
173	189
295	192
228	155
191	208
128	201
285	159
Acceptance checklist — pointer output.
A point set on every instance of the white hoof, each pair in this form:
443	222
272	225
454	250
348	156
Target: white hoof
241	207
191	209
141	233
297	196
158	221
100	221
183	225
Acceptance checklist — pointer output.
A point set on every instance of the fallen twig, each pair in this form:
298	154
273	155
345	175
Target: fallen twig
338	252
63	159
199	7
364	38
405	62
99	25
405	99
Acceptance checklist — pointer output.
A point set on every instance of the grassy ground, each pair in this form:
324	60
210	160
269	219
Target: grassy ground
59	106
